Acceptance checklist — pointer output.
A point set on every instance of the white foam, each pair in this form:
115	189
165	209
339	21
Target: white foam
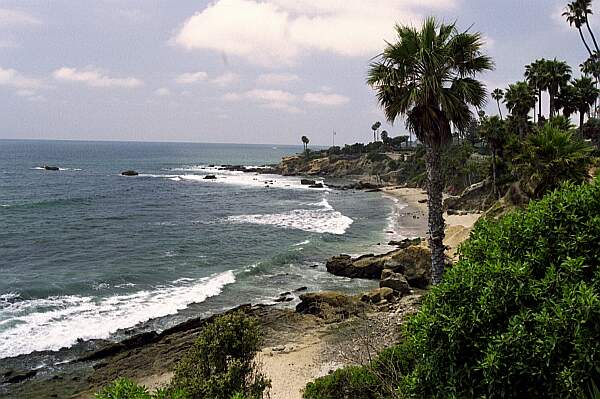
56	322
323	220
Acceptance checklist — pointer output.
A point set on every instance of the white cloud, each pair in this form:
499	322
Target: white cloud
8	43
276	32
11	18
226	79
13	78
328	99
162	92
267	98
191	77
95	78
269	79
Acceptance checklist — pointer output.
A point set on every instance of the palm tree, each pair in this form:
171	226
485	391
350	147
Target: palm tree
575	17
520	99
566	101
585	9
498	95
494	132
428	76
550	157
385	137
585	95
305	141
375	127
556	74
534	75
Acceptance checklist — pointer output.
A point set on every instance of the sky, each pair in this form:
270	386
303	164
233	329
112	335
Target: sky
234	71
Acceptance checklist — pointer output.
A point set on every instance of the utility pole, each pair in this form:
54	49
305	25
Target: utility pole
334	137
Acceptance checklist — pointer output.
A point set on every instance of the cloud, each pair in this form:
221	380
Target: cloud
11	18
13	78
191	77
327	99
270	79
291	28
226	79
267	98
95	78
8	43
162	92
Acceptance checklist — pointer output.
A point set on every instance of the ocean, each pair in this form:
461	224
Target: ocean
86	253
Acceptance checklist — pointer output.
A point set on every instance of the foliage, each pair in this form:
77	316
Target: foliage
354	382
550	157
519	314
124	388
221	362
591	131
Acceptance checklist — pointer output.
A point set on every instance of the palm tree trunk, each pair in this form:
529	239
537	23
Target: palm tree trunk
587	23
499	110
551	103
583	40
436	216
540	105
581	118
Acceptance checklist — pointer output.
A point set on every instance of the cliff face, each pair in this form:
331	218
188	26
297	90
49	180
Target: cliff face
367	167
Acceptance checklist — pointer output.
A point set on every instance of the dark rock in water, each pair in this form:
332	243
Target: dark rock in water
422	201
367	266
211	166
129	173
307	182
285	293
407	242
14	376
374	190
280	299
313	266
136	341
318	185
301	289
51	167
210	177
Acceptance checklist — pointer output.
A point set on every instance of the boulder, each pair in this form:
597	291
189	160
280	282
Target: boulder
329	304
307	182
129	173
394	281
51	167
414	263
318	185
367	266
209	177
377	295
16	376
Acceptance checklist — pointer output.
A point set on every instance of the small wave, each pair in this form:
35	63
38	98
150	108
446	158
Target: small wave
324	220
60	169
56	322
302	243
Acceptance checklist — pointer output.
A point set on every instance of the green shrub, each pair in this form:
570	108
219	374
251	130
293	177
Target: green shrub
124	388
221	363
519	315
354	382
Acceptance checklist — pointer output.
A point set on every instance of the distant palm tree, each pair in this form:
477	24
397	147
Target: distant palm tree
375	127
428	76
556	74
498	95
566	101
575	17
305	141
585	9
520	99
493	131
534	75
385	137
585	95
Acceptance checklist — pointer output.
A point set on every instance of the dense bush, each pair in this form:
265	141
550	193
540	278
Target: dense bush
124	388
519	314
354	382
221	363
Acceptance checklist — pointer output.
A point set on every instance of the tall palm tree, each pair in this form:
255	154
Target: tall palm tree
520	99
585	95
494	132
498	95
534	75
375	127
566	100
575	17
428	76
585	9
556	74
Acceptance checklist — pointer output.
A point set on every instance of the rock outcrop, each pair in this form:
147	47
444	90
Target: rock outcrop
329	305
395	281
129	173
